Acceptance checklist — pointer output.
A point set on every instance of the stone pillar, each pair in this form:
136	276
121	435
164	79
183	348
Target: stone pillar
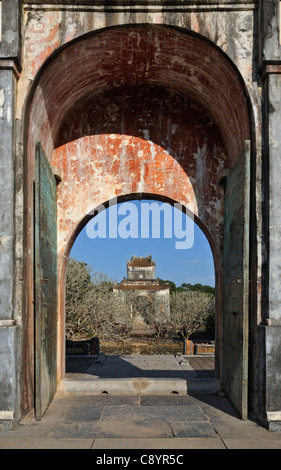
9	340
270	329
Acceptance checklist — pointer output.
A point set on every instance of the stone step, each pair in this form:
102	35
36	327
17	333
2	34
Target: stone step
140	386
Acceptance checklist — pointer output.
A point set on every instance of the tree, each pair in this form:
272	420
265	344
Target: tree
142	306
189	311
189	287
172	285
78	287
197	288
159	325
92	309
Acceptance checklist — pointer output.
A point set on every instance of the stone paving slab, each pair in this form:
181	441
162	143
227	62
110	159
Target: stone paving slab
155	413
193	429
112	428
163	444
86	413
74	399
37	443
248	443
168	400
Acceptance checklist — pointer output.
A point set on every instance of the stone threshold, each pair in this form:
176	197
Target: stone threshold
139	386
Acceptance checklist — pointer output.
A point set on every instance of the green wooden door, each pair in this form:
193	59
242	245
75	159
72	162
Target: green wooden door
236	283
45	277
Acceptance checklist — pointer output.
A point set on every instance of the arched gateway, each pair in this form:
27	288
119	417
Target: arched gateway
135	110
113	103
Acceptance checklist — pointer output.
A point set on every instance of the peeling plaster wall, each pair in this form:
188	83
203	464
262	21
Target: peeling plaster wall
233	30
46	29
139	141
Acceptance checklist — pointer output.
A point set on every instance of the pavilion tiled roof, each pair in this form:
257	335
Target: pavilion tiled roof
141	262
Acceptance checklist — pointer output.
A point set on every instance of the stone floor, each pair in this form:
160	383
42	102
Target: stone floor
157	366
84	421
163	421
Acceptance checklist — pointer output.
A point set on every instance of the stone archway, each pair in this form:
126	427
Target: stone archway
130	110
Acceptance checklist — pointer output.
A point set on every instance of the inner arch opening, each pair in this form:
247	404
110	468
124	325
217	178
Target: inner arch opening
137	259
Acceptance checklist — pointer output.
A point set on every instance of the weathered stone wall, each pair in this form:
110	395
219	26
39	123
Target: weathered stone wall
139	140
10	317
269	377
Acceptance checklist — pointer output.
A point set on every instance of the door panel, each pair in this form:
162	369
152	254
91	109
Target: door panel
236	283
45	277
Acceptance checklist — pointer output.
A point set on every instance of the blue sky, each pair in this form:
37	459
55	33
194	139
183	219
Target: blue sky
109	255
